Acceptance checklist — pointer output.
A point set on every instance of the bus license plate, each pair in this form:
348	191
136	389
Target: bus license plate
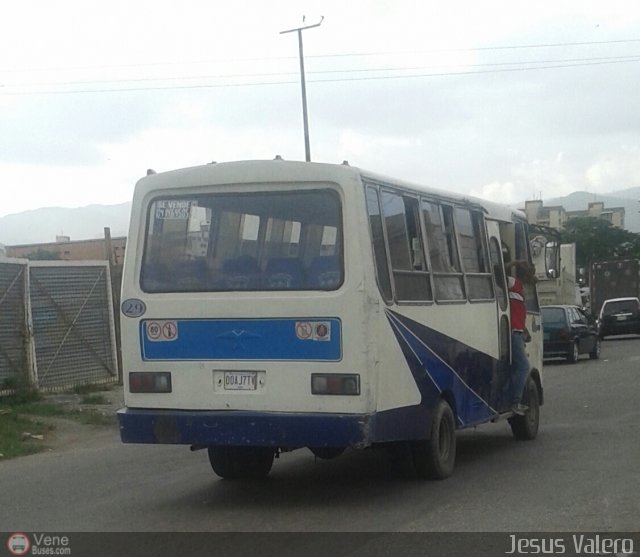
240	380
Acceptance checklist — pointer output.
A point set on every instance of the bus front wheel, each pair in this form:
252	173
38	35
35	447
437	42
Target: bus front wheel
435	458
236	463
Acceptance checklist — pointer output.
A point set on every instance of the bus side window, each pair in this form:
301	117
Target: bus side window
377	237
404	240
523	254
471	240
443	255
495	252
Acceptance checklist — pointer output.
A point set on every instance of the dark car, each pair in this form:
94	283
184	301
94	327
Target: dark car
620	316
569	332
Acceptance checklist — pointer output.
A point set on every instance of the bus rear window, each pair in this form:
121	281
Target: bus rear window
244	241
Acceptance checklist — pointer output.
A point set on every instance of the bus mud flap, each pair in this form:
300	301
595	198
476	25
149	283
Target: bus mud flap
165	430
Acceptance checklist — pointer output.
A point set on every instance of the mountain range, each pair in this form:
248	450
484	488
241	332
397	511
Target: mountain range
82	223
628	198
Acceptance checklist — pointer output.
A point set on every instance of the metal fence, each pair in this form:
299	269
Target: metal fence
14	327
61	333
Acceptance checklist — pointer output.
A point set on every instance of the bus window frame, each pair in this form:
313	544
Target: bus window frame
328	187
426	240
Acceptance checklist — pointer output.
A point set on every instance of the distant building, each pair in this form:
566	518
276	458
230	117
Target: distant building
556	216
69	250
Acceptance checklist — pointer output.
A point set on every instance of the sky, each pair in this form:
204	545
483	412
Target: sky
505	100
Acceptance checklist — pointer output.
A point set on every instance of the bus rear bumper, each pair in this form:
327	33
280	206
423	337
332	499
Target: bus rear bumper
205	428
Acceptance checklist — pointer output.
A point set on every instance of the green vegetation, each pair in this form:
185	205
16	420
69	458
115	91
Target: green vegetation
19	435
94	399
23	418
599	239
52	410
86	389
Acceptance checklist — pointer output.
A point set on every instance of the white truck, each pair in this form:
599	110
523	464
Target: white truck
555	269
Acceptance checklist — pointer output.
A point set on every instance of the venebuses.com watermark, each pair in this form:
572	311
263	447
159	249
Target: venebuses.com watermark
20	543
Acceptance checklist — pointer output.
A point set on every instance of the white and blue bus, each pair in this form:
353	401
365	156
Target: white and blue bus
274	305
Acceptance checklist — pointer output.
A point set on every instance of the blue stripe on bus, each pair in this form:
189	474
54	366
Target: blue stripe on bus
441	362
241	339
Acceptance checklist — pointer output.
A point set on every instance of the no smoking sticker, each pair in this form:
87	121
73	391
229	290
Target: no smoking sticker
313	330
162	331
304	330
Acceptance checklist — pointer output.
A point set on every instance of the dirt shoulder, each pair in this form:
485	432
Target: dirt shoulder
69	433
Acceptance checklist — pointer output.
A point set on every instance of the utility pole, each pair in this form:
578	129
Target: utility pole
305	120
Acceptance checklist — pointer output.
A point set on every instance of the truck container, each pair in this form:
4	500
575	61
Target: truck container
613	278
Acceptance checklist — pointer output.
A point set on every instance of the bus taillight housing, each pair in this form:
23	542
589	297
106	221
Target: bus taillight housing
150	382
335	384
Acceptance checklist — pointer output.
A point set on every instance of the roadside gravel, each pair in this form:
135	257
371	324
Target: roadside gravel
68	434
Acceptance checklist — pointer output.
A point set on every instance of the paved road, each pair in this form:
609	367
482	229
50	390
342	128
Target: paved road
580	474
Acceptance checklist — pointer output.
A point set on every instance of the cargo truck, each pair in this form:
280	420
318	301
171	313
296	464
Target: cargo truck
613	278
555	268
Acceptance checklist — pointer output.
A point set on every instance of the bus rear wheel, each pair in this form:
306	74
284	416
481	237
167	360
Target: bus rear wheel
237	463
525	428
435	458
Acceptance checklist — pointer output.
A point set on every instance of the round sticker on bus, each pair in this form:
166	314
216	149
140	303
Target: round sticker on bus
133	307
304	330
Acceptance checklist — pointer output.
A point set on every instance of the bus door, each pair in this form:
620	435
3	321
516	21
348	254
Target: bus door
501	371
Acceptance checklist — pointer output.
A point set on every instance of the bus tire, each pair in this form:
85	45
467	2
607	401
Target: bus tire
435	458
525	428
237	463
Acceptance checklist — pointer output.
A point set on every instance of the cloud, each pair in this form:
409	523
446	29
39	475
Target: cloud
561	175
63	130
619	170
499	192
503	134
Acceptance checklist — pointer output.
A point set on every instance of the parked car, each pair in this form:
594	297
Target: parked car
620	316
568	332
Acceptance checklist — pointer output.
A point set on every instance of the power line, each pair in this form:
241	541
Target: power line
481	48
336	55
332	80
316	72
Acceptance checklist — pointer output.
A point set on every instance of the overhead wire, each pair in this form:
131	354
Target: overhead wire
334	55
527	65
632	57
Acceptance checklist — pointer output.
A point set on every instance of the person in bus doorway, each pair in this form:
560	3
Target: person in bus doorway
519	361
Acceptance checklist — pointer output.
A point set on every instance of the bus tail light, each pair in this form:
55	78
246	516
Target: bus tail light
335	384
150	382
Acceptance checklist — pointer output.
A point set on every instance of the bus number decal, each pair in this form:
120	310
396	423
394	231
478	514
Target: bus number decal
133	307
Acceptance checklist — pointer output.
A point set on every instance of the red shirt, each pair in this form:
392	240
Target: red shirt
516	304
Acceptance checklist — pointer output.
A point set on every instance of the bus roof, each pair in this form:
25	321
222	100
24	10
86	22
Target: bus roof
249	171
